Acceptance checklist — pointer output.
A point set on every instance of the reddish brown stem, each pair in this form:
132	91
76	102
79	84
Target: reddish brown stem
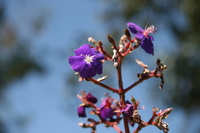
119	74
135	84
127	46
117	128
137	130
112	41
102	85
121	93
105	53
127	52
126	127
130	50
152	119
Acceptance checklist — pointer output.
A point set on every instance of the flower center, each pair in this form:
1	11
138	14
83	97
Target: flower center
88	58
151	29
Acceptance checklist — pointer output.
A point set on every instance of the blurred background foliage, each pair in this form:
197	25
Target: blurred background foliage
15	58
179	18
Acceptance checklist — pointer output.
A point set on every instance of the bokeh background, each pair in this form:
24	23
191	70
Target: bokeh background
38	88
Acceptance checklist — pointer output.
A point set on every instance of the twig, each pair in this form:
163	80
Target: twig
112	41
102	85
136	83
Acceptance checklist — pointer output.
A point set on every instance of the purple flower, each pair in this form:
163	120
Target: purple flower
81	111
143	36
106	110
91	98
85	98
86	61
128	110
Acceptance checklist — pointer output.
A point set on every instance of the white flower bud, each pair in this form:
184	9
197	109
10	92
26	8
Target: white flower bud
90	39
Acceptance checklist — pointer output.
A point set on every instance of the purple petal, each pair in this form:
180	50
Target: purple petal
87	71
128	110
76	62
103	103
132	124
98	66
128	102
134	28
147	45
83	50
151	38
98	55
91	98
139	36
106	102
107	113
81	111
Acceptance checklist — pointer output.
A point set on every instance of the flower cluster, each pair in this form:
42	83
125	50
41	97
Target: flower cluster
89	60
108	108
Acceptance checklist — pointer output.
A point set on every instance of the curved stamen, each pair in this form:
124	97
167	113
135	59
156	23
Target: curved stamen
151	29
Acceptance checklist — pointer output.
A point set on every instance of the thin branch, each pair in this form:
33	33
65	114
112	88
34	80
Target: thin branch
103	51
119	75
152	119
137	129
117	128
102	85
135	84
126	127
112	41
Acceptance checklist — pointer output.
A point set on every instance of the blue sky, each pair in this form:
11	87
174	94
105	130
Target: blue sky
42	99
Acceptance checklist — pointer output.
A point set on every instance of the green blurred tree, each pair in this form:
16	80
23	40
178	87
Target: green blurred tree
15	58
